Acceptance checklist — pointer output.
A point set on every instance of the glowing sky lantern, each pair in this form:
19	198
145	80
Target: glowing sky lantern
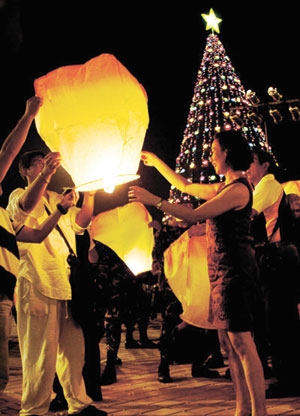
185	267
125	230
96	116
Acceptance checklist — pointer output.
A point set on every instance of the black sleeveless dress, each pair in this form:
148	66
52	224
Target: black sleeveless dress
232	268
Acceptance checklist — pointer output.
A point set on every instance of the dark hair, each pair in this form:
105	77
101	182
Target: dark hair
26	159
239	155
264	156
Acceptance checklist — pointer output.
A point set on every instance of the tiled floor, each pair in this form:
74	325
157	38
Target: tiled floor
138	392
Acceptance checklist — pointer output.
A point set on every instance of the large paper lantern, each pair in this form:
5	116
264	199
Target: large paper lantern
185	267
96	116
126	231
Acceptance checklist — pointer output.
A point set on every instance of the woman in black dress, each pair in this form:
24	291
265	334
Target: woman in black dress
231	261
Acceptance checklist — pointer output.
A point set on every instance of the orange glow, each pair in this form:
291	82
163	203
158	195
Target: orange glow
125	230
185	266
96	116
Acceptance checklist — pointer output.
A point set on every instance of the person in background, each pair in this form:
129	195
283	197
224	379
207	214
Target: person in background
49	339
113	302
279	264
232	265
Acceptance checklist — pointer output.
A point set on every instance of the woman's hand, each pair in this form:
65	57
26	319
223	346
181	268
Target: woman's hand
148	158
138	194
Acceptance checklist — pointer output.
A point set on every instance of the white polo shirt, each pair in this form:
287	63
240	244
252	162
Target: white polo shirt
45	264
266	198
9	256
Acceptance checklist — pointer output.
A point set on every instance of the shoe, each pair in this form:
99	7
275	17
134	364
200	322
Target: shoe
148	344
279	390
96	396
109	375
118	361
203	371
58	403
164	374
216	361
227	374
2	387
90	411
132	344
107	381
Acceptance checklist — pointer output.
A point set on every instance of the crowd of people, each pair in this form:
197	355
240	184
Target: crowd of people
253	268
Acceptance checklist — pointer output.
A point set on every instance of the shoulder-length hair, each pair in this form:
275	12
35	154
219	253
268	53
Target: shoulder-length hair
239	155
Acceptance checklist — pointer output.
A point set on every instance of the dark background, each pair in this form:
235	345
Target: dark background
161	44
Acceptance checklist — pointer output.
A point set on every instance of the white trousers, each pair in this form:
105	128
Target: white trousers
49	342
5	326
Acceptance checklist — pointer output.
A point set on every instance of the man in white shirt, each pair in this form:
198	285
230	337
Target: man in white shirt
49	339
279	270
9	256
267	193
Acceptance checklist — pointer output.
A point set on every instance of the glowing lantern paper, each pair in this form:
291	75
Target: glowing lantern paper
96	116
126	231
185	266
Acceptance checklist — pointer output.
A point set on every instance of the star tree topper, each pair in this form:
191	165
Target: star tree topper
212	21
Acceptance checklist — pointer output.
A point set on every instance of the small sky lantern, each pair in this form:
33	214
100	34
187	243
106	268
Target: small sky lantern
96	116
185	267
125	230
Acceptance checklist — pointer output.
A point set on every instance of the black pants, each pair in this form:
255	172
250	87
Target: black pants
280	280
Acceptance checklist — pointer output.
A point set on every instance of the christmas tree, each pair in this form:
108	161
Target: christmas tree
219	102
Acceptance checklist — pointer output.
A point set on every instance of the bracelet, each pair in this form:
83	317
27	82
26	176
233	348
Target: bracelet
61	209
44	178
159	204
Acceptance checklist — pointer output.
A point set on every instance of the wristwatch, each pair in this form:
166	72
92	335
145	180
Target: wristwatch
159	204
61	209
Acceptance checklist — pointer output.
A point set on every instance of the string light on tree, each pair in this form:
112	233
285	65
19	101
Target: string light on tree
218	91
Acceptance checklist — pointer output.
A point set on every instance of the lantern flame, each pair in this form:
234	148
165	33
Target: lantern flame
109	185
96	116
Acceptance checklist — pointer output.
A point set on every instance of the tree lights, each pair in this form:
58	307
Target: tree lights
219	102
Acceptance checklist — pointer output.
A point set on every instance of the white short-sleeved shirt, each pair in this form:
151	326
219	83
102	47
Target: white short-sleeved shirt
9	256
45	264
266	198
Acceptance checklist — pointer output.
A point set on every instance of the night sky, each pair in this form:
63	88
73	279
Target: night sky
161	44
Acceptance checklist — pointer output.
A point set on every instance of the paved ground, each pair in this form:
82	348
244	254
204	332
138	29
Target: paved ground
138	392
